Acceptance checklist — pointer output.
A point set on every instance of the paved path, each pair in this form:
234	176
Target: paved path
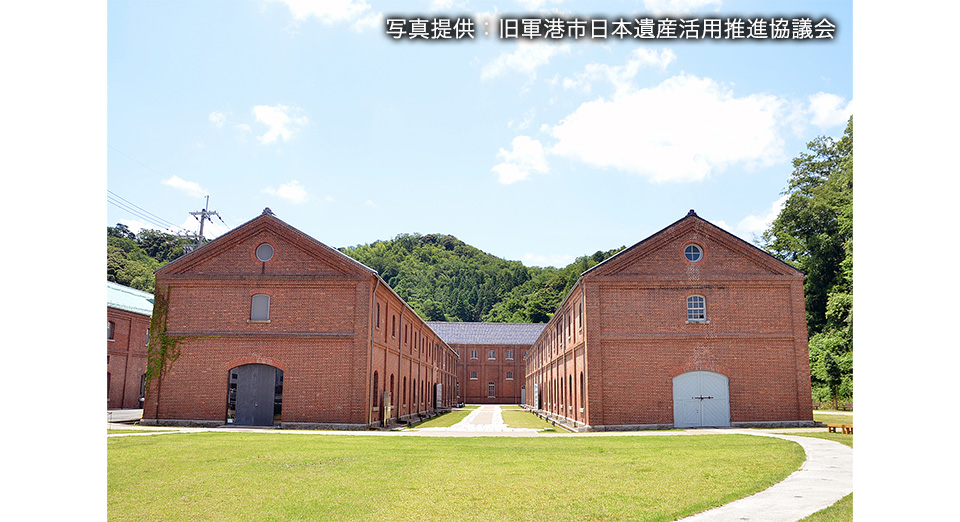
486	419
824	478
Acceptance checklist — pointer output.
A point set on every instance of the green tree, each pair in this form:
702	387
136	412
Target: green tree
814	233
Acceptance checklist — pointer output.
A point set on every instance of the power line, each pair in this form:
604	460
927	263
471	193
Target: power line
158	218
140	213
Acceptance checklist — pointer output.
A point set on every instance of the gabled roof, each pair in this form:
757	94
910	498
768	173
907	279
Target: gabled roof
264	220
487	333
692	218
129	299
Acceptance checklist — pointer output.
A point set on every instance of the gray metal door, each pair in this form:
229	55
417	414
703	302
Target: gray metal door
701	399
256	391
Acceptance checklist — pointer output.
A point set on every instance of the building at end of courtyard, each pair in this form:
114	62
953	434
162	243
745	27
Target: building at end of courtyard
491	369
273	327
128	332
691	327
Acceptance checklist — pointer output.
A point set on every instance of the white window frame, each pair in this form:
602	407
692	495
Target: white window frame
696	309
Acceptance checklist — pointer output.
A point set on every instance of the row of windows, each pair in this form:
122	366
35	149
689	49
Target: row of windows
491	355
696	313
473	375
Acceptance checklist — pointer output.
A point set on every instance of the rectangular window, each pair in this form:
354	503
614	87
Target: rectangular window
492	354
474	354
509	376
260	307
696	308
473	375
509	354
147	342
378	316
110	327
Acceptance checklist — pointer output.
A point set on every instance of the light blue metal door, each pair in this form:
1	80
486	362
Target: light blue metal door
701	399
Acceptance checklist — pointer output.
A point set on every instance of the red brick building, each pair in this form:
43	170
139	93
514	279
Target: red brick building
689	327
128	326
491	369
278	328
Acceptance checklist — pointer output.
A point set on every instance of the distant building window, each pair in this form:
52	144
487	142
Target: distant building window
693	253
492	354
491	390
110	327
696	308
260	307
474	354
378	316
509	376
147	342
457	352
473	375
509	354
265	252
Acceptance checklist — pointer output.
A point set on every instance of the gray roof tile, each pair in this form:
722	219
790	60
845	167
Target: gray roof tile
487	333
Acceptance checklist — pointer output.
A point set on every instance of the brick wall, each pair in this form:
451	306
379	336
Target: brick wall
637	338
126	358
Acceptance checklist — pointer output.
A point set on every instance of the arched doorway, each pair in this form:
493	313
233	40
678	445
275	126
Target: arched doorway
701	398
255	395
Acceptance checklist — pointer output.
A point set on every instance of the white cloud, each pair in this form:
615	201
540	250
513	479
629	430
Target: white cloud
526	157
756	225
533	5
678	6
281	121
524	123
191	188
217	118
679	131
371	21
525	59
327	11
555	260
829	110
292	191
620	76
371	204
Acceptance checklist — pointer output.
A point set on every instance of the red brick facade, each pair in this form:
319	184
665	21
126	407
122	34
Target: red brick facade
126	357
340	336
610	356
690	305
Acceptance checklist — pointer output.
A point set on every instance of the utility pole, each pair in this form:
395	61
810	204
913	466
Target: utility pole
202	215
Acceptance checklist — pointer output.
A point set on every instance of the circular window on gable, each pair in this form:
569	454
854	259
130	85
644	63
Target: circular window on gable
693	253
265	252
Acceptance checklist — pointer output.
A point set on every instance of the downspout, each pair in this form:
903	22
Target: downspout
373	310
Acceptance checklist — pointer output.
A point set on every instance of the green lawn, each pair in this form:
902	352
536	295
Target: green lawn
842	511
828	418
279	476
525	419
443	421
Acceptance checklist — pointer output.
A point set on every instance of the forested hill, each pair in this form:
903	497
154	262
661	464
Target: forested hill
445	279
441	277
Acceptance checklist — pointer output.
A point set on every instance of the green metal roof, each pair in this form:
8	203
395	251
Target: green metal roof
129	299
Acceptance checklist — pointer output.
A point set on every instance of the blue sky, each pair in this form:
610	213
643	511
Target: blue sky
534	150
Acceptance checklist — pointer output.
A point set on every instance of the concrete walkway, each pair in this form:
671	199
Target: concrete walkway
825	477
487	419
